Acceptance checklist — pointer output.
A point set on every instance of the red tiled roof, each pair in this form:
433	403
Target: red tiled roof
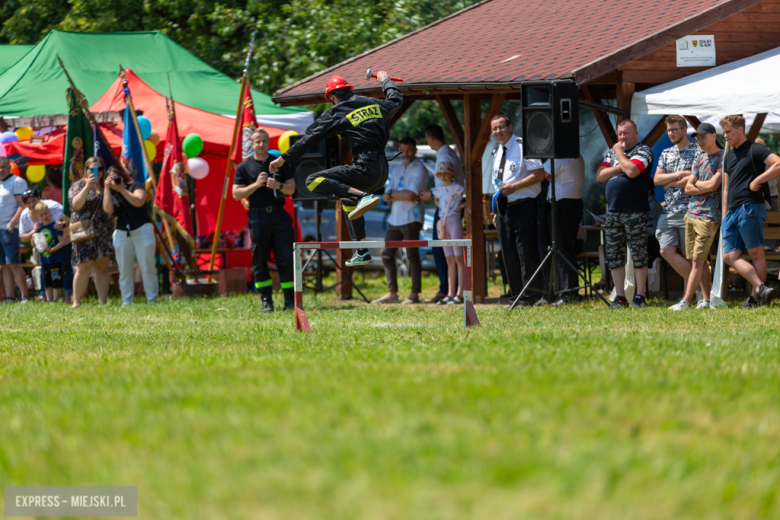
499	43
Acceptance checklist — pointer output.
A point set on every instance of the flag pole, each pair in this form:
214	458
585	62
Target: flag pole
82	101
230	155
147	161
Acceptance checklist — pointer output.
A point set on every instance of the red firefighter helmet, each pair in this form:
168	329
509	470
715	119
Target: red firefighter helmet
336	83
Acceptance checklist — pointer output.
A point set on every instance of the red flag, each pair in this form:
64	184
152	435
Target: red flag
245	129
171	200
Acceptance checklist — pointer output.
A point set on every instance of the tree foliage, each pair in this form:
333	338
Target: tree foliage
294	38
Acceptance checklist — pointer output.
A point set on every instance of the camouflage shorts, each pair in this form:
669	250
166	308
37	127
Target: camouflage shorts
626	229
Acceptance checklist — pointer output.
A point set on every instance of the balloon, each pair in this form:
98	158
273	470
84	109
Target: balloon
197	167
2	151
192	145
154	137
8	137
15	168
284	140
24	133
36	173
151	150
145	125
275	153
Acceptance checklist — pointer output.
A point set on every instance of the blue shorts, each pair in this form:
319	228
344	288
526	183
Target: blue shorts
9	247
743	227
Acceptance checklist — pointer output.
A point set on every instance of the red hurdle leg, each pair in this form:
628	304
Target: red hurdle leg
469	313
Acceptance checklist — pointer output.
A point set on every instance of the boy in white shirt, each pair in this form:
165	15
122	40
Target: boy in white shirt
449	199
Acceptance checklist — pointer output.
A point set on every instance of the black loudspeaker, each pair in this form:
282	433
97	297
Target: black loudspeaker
551	120
323	156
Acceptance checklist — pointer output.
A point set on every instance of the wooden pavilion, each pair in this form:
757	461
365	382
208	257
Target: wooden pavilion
485	53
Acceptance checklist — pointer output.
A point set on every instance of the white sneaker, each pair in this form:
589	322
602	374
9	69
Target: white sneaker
703	304
365	204
680	306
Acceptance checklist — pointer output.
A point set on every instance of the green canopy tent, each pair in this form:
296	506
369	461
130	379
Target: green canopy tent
10	54
35	84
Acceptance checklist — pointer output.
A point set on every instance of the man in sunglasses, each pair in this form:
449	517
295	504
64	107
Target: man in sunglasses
672	172
11	190
365	124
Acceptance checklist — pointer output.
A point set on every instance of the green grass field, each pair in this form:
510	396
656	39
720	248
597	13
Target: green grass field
216	411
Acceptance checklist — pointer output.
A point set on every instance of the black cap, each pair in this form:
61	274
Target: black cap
704	129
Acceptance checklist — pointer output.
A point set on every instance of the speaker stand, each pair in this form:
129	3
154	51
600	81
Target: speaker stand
552	253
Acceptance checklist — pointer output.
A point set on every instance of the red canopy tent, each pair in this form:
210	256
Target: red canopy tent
215	130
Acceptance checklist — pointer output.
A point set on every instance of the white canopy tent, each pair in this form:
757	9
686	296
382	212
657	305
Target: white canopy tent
748	86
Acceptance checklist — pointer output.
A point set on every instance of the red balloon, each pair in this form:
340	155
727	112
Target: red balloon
15	169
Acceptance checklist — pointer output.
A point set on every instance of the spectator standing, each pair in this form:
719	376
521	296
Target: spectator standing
270	226
434	135
449	197
626	170
91	256
569	182
673	171
133	239
51	260
703	218
518	180
27	228
407	181
744	211
11	190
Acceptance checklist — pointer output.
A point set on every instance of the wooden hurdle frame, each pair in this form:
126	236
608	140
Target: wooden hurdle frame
469	314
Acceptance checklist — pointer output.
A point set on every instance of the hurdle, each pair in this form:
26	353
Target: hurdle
469	314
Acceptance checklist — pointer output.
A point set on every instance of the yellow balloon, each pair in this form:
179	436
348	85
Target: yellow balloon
284	140
151	150
24	133
36	173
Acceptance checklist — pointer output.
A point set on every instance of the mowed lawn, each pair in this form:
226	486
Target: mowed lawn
216	411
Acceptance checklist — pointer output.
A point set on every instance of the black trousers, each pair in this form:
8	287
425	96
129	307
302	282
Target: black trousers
271	232
405	232
367	173
519	238
568	215
542	208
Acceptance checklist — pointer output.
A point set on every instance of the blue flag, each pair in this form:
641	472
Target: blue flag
102	150
133	150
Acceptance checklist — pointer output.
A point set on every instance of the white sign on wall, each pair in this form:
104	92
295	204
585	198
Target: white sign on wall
696	51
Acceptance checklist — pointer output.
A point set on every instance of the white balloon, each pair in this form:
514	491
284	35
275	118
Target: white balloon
197	167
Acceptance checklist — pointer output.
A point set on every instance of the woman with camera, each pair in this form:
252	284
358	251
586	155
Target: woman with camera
90	231
134	236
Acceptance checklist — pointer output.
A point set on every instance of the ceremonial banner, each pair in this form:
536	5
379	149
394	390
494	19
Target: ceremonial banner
171	200
102	150
245	129
78	145
133	150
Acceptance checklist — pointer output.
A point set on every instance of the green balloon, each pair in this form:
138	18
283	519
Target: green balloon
192	145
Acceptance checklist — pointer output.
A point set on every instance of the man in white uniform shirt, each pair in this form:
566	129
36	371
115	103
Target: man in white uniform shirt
406	182
434	134
518	180
569	182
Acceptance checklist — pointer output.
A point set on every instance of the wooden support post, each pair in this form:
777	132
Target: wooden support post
473	173
344	290
602	118
755	128
625	92
655	134
483	137
452	123
693	120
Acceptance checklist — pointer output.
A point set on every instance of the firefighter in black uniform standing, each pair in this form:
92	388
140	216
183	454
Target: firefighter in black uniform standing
270	226
365	124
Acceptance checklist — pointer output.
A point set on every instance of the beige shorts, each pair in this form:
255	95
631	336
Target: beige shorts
699	236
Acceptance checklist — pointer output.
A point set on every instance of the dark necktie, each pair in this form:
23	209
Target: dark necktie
501	165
